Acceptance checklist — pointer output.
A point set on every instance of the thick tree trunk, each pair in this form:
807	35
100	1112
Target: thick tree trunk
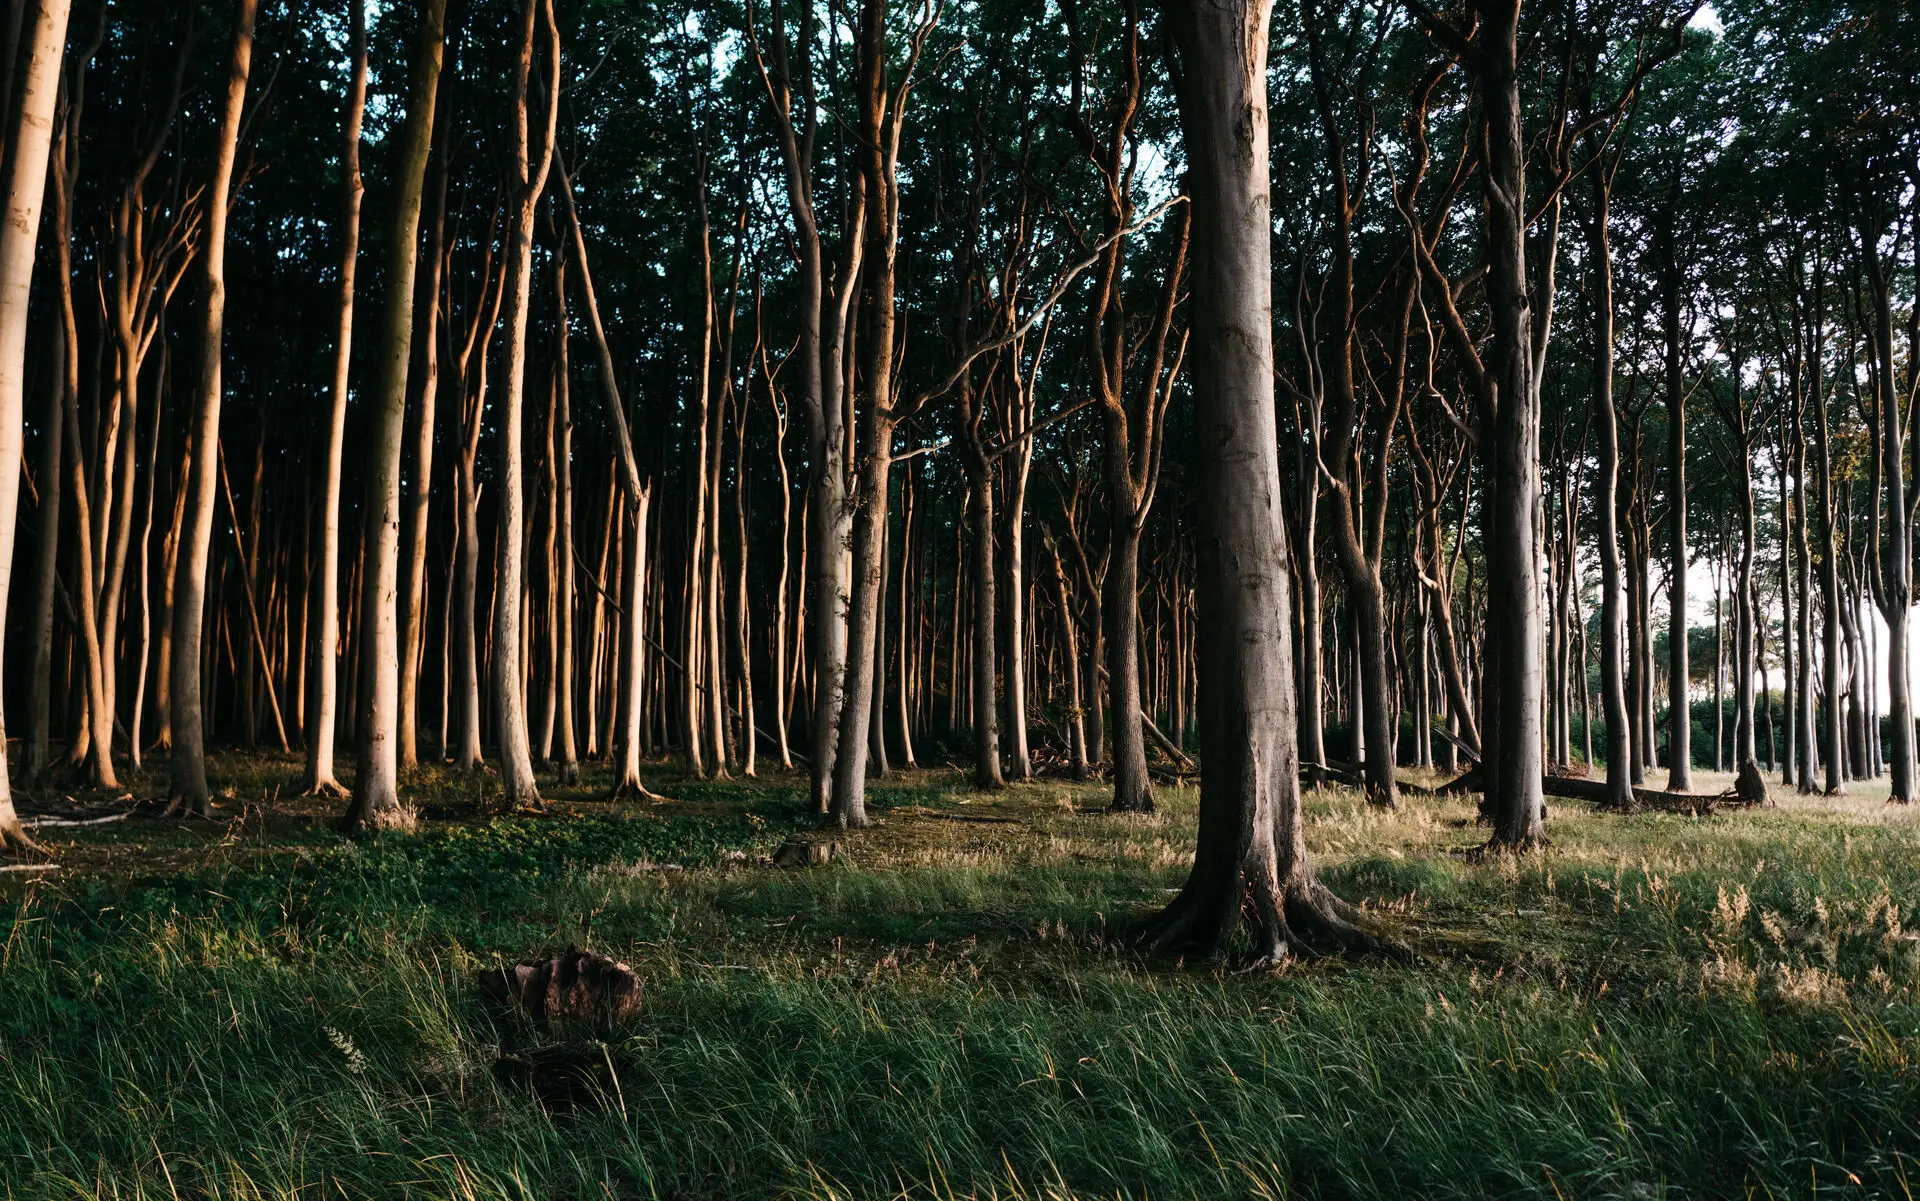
325	628
1513	588
376	799
1250	871
188	787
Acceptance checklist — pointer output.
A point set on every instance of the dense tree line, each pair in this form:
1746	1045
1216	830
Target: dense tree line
1072	388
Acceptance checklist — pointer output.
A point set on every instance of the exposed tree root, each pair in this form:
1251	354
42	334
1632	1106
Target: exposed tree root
1300	920
631	789
14	841
186	807
329	788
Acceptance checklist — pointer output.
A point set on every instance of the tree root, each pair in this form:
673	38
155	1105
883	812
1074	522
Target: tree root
14	840
1302	920
329	788
631	789
185	807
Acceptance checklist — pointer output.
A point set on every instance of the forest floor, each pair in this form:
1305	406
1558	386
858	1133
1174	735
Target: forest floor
1656	1006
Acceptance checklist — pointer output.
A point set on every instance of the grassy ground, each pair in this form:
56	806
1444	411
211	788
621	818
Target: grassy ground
1659	1006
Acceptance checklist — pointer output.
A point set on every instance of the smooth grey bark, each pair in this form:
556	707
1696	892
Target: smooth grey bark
822	319
376	799
1250	872
1680	730
1613	624
1893	591
528	181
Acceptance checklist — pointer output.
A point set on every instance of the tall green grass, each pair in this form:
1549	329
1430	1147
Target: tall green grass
1657	1007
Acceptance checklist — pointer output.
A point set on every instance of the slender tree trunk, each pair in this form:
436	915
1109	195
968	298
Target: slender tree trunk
319	779
1895	593
1830	601
188	788
986	723
633	620
1680	729
529	180
419	504
376	799
1808	768
1070	656
1120	618
46	577
1019	464
564	553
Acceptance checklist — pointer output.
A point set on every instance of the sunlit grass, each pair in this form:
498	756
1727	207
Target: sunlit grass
1657	1006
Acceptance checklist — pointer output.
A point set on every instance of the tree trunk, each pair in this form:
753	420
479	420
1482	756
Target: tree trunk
188	788
1513	765
1895	593
1250	871
1830	601
46	577
529	180
325	630
1019	464
564	552
1680	728
419	504
986	723
376	799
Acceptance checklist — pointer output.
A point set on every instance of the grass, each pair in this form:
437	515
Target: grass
1656	1007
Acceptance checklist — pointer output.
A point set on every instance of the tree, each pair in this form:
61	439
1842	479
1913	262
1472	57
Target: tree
324	638
188	789
28	144
376	799
1250	871
529	179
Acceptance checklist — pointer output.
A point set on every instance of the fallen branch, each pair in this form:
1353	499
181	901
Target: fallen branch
39	823
1163	742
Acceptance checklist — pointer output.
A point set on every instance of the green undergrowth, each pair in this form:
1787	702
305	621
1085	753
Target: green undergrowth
1655	1007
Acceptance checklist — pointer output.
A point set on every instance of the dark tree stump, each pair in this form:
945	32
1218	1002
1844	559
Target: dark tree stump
577	987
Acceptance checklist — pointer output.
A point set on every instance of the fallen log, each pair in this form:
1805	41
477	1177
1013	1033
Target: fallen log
1645	798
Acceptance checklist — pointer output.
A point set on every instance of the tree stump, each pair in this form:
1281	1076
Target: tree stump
802	851
1750	786
577	987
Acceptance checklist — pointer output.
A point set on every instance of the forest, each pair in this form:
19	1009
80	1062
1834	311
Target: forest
959	598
